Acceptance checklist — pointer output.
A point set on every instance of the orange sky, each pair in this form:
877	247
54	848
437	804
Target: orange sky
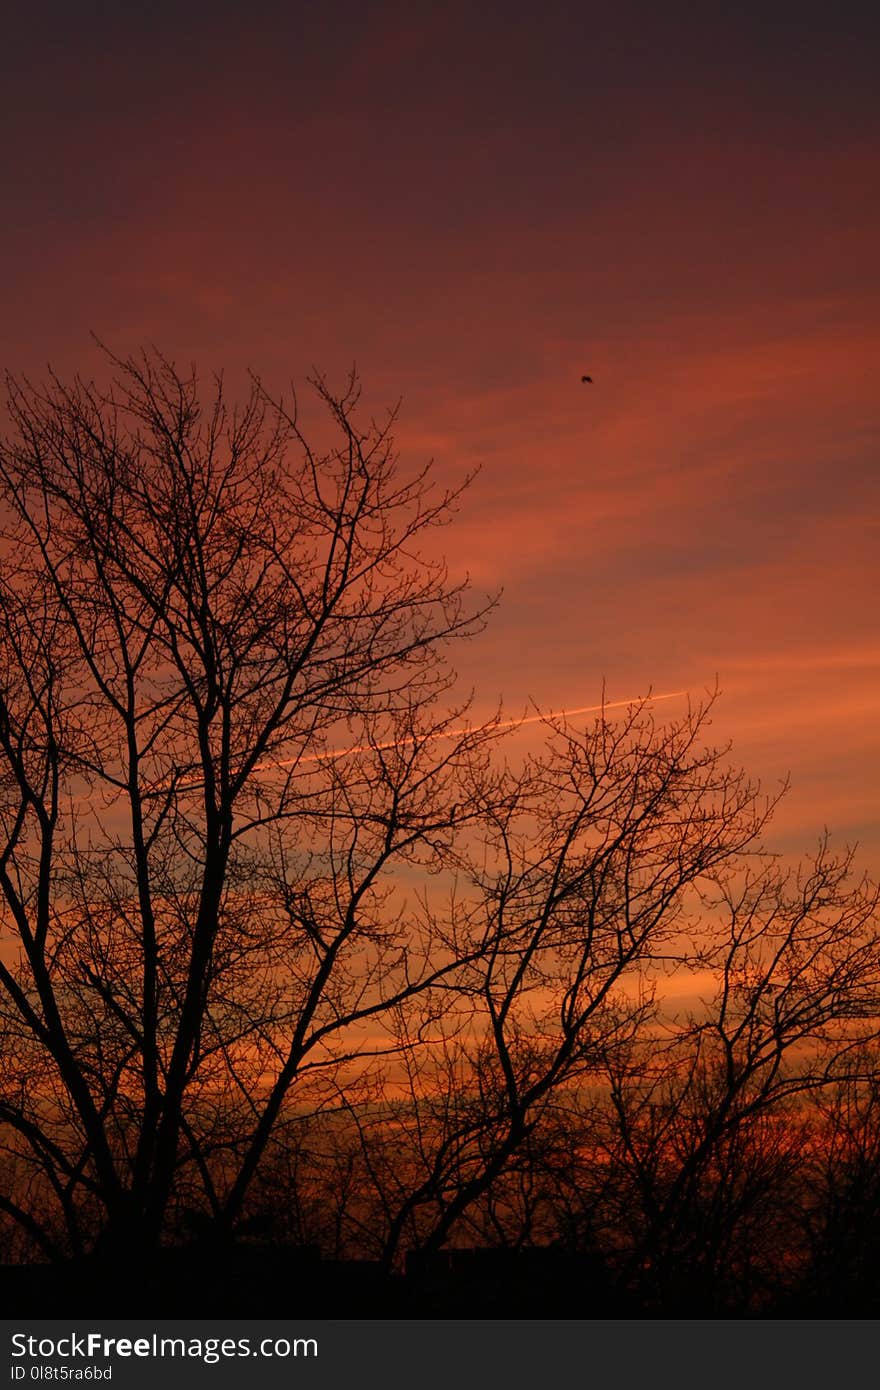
478	204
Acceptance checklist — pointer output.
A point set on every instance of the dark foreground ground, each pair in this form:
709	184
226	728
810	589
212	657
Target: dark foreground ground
252	1282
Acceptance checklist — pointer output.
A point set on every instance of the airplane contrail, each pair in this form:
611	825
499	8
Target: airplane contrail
332	754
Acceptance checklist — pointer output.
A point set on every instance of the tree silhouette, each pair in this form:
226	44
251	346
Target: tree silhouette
198	611
290	947
580	879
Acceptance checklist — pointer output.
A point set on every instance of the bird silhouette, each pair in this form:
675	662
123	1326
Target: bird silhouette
587	378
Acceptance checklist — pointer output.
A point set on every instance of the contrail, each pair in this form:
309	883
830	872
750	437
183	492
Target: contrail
335	753
587	709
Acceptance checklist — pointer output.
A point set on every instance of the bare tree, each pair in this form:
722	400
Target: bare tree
840	1206
573	898
200	615
555	1096
707	1120
279	923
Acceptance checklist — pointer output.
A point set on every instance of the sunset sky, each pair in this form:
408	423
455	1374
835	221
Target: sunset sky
477	204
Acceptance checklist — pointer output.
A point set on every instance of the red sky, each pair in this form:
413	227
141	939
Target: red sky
477	204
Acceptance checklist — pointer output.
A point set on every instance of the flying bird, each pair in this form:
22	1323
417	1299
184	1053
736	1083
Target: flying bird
587	378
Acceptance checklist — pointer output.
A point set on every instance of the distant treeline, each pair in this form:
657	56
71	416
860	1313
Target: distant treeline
652	1203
